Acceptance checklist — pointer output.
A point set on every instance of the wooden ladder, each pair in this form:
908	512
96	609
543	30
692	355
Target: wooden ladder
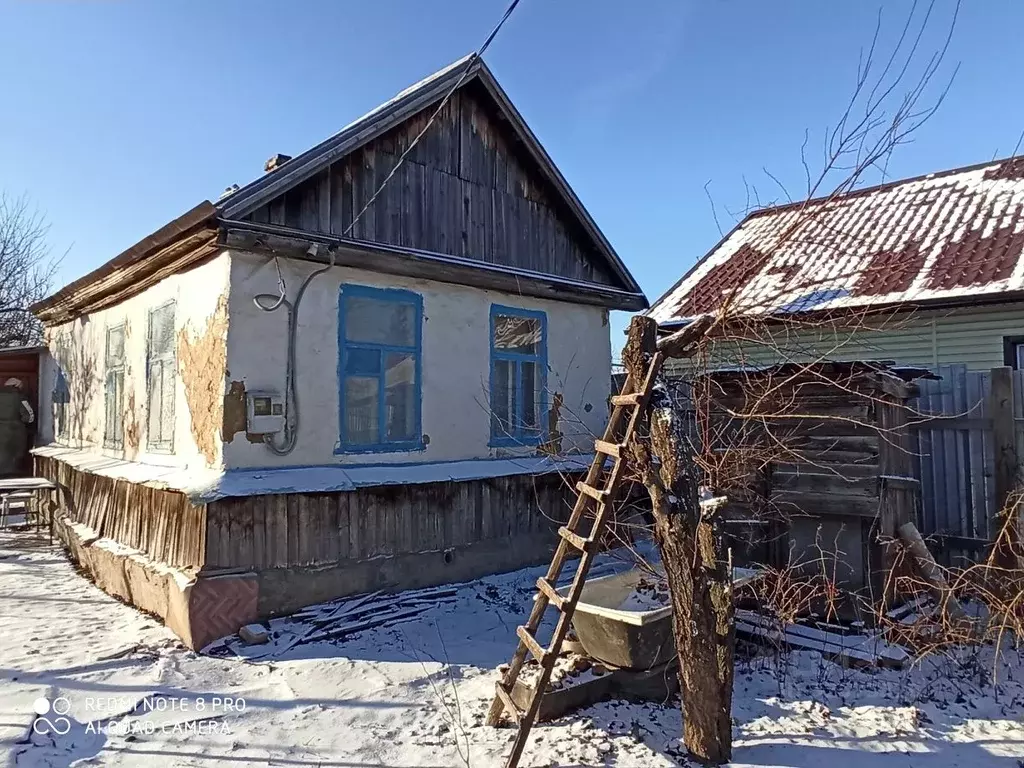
597	491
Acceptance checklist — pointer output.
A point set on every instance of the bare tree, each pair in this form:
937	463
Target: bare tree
710	441
26	270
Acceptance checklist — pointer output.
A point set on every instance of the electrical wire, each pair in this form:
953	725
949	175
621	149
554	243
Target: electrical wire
291	392
291	397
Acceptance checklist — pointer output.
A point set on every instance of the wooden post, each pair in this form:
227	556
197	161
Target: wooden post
1004	450
898	491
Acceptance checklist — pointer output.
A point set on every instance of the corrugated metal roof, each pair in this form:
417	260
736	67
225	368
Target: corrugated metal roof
942	237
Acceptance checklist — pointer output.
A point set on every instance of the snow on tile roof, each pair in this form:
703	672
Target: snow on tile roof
938	237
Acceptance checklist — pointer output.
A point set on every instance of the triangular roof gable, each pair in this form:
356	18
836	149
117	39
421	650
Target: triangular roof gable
406	105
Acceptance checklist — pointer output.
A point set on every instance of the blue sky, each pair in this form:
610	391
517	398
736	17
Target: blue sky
119	116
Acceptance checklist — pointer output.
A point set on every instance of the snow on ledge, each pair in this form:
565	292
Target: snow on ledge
185	479
202	484
255	482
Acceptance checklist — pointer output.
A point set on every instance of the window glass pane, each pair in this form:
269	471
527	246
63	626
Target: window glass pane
400	397
502	398
530	398
118	415
161	331
113	412
155	398
115	345
362	362
361	409
375	321
517	334
1020	356
167	407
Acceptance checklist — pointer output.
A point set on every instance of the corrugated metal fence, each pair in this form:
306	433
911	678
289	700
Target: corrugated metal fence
968	434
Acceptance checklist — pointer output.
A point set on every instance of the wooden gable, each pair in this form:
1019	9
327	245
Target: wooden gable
468	189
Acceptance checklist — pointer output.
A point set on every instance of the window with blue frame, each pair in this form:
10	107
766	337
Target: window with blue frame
379	339
518	375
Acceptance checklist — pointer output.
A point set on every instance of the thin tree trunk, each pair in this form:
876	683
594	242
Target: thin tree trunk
698	575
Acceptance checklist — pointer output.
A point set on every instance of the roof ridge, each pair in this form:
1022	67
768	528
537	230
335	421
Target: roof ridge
769	209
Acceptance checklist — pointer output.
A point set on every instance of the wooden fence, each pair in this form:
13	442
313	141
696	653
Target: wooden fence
966	456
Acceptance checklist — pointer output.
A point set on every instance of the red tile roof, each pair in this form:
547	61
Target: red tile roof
938	237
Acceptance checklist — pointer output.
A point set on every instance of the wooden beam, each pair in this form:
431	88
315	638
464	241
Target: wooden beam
132	279
681	342
930	571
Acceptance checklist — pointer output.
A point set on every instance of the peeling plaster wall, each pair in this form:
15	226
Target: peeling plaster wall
455	364
200	297
202	360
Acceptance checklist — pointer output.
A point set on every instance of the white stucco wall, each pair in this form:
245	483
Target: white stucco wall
455	364
196	294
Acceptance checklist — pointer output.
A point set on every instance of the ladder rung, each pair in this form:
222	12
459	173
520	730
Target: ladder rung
582	544
608	449
547	589
540	653
595	493
510	706
632	399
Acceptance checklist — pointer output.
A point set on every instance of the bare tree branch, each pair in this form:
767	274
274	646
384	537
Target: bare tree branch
26	270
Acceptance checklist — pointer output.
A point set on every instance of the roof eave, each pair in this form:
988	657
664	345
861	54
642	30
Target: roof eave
199	217
814	315
418	263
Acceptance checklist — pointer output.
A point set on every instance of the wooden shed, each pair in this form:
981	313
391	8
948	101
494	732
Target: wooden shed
819	457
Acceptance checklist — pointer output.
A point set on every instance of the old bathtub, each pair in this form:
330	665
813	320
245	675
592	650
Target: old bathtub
611	629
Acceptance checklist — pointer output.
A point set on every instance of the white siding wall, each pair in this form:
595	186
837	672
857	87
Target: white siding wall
196	294
455	364
969	335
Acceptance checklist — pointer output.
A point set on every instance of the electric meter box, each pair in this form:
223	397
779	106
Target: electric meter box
264	412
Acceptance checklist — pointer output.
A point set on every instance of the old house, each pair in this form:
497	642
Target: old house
324	383
925	271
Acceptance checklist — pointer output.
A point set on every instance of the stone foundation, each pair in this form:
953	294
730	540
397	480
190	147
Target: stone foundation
198	609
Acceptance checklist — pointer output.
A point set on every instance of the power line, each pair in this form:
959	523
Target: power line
462	78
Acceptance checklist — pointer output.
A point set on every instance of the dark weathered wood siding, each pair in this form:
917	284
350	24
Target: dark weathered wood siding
163	524
312	529
829	468
467	189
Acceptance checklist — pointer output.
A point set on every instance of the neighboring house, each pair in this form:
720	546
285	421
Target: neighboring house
925	271
449	353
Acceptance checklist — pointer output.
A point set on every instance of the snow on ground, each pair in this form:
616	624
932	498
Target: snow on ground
415	694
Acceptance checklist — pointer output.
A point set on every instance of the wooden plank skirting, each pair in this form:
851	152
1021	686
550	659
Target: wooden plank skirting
311	547
310	529
163	524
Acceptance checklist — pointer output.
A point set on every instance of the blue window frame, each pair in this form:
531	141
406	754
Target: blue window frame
379	369
519	367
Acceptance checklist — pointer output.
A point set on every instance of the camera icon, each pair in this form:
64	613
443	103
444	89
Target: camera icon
57	724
